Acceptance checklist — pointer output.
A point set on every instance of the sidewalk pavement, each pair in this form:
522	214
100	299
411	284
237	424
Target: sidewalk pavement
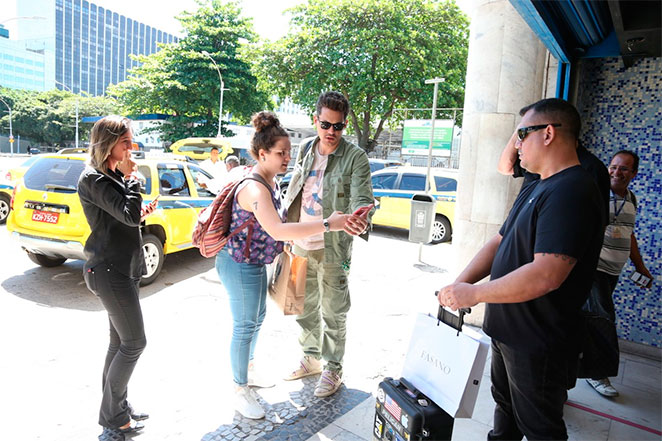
54	347
634	415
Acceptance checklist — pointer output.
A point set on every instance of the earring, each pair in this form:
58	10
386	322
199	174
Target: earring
264	159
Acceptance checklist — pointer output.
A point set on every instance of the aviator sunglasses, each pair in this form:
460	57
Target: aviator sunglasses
336	126
524	131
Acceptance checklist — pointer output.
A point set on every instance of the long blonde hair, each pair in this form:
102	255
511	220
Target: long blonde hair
105	134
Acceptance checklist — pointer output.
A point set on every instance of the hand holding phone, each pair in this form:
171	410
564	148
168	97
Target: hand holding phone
640	279
363	211
149	208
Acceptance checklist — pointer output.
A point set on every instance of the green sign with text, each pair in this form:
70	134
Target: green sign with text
416	137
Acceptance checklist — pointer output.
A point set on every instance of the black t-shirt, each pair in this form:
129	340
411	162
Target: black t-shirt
591	164
558	215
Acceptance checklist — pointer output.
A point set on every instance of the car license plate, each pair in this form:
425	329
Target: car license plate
43	216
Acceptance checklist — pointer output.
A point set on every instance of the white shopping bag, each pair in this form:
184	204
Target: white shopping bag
445	365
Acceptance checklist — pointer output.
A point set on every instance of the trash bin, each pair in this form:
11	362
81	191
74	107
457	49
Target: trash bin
422	218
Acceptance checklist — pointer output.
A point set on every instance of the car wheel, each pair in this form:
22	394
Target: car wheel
4	208
153	250
46	261
441	230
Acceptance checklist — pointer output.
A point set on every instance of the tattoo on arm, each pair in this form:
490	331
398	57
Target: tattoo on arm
570	260
255	206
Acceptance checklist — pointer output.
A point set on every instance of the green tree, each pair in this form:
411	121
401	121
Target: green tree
376	52
180	81
50	117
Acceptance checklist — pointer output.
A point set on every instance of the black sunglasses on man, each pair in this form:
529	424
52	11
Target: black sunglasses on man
524	131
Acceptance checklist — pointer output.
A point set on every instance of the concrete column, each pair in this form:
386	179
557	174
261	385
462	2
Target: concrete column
506	70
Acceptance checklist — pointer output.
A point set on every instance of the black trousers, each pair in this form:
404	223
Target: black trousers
119	295
529	391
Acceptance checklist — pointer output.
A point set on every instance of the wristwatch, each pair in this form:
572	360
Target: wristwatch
327	227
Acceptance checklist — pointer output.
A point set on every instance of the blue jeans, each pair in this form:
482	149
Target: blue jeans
246	285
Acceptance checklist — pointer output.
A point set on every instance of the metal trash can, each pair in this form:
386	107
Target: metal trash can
422	218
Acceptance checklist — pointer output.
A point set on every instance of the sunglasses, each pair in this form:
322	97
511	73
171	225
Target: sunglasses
524	131
325	125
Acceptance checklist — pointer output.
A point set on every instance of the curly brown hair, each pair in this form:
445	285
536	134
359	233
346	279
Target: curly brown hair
267	131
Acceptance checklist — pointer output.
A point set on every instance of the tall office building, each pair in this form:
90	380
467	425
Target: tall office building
83	46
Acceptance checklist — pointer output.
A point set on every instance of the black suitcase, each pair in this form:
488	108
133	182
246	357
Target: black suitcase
404	414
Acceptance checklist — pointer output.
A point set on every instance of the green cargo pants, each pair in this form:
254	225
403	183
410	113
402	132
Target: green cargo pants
324	319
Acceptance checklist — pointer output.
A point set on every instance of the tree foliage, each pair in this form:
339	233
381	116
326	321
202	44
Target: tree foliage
179	80
50	117
378	53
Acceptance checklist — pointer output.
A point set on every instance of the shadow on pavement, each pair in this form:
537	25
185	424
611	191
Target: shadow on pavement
299	417
397	234
63	286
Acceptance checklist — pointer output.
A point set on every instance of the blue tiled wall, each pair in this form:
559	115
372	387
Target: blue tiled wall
622	109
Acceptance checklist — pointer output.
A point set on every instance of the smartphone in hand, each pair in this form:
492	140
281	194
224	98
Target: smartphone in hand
363	211
152	205
640	279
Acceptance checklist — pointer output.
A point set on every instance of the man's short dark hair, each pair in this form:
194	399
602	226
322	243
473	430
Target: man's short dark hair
333	101
635	157
557	111
213	148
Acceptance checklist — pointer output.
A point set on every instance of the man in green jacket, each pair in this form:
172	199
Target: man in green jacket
330	174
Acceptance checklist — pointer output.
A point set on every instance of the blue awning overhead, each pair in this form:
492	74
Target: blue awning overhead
573	29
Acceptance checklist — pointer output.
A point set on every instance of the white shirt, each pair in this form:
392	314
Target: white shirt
311	201
218	171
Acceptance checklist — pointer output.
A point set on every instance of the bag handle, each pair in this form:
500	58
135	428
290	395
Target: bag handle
448	318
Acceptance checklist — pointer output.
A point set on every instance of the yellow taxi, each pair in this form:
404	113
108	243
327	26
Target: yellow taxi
394	187
48	222
5	201
200	148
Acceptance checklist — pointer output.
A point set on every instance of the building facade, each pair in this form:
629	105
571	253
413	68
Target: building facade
82	47
514	61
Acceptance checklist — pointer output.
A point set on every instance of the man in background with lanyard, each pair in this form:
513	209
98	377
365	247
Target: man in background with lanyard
619	244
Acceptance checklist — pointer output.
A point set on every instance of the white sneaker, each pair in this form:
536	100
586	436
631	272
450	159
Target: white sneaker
256	379
246	404
603	387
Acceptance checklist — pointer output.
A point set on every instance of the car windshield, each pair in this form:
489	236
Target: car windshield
30	161
54	174
195	149
385	181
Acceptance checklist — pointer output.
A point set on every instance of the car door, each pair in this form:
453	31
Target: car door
384	191
409	185
445	194
180	207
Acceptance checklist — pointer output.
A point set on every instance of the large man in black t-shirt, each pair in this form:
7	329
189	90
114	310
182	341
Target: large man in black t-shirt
541	265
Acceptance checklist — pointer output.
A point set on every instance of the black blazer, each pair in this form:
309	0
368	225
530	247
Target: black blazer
112	208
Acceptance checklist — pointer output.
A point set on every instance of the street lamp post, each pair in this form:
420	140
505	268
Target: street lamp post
436	82
428	183
11	134
220	77
69	89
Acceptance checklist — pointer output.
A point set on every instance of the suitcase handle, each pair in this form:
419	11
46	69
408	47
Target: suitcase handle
450	319
410	387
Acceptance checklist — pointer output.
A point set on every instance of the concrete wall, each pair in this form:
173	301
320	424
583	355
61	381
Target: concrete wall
507	69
